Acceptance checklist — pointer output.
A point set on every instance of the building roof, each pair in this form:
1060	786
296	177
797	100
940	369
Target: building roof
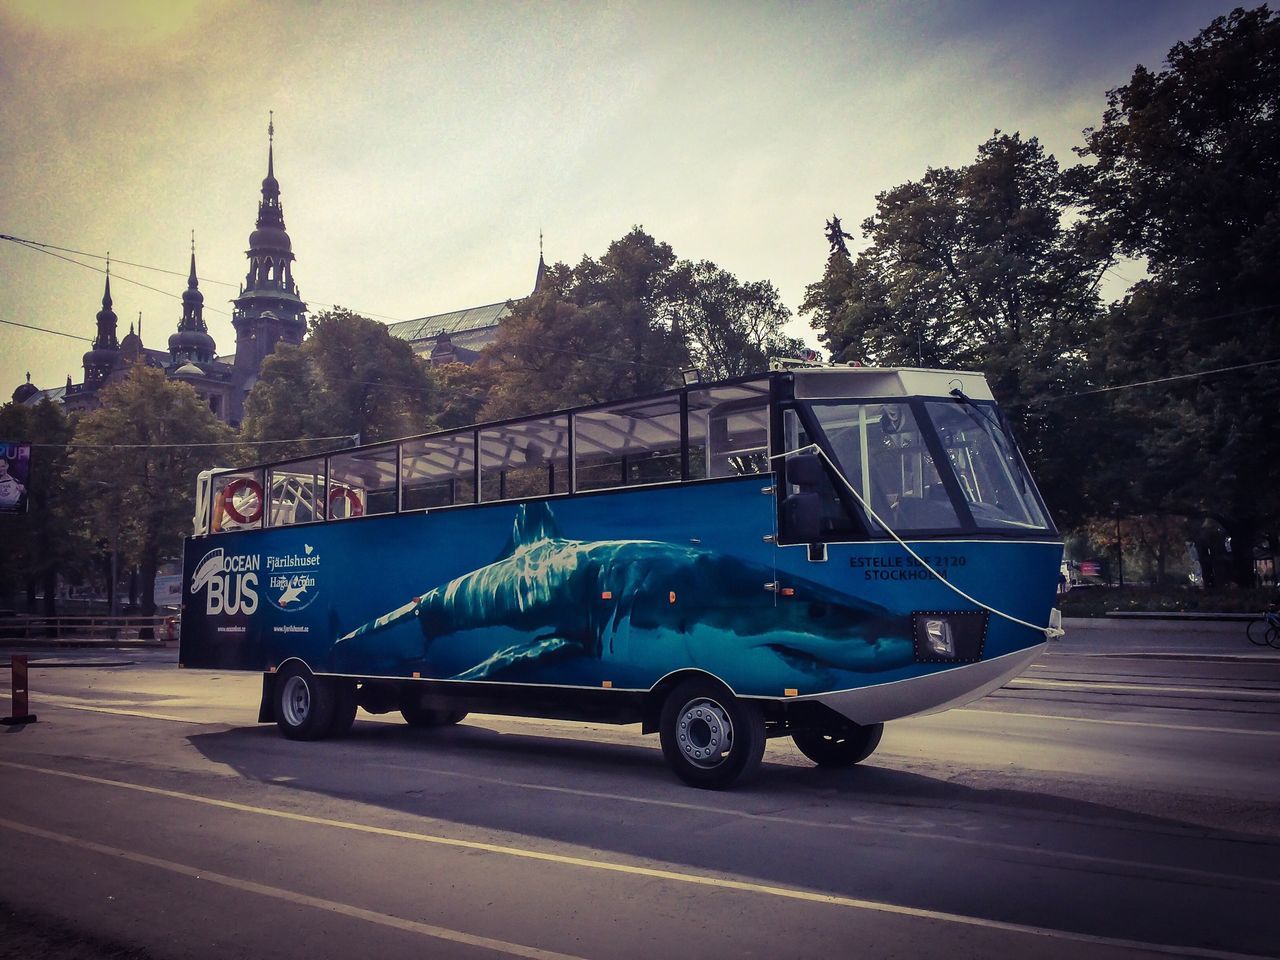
427	328
53	395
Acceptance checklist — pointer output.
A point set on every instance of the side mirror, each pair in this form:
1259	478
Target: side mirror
804	470
802	518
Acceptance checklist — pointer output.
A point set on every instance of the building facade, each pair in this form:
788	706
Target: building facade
267	312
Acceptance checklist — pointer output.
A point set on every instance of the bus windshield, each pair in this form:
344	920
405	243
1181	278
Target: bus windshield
938	465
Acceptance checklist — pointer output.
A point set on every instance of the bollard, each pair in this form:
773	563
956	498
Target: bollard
18	689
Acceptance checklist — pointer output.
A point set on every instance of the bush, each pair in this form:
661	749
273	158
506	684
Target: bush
1099	601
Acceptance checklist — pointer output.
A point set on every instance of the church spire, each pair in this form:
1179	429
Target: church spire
268	309
106	338
101	360
541	277
192	341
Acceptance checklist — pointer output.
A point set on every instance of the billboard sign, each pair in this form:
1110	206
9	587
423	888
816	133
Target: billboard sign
15	474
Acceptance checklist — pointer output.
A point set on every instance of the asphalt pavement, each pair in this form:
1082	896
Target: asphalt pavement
1117	800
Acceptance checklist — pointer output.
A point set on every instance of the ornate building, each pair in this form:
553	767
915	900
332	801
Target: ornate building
267	311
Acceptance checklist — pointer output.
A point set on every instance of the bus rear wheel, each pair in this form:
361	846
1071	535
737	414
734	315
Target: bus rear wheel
305	705
710	738
841	747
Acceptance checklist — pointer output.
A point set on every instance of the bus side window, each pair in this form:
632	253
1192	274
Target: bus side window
525	459
630	443
237	501
362	483
729	430
438	471
296	493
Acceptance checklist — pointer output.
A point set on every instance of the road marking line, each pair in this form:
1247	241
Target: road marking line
71	703
291	896
693	879
1142	687
859	825
1122	723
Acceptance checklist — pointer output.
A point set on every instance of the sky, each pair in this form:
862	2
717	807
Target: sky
422	146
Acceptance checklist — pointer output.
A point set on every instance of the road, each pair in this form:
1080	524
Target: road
1109	803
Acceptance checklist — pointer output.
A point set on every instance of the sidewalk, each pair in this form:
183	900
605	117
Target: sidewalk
1160	638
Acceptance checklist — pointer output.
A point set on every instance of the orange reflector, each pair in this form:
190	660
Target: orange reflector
271	669
788	591
791	692
607	595
607	683
417	675
671	597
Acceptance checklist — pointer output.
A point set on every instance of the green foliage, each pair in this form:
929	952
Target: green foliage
1187	176
599	331
625	325
49	539
350	376
732	328
135	462
976	268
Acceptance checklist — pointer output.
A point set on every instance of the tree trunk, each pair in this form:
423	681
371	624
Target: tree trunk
1243	534
51	592
147	580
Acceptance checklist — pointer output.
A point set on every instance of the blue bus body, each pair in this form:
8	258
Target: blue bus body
600	597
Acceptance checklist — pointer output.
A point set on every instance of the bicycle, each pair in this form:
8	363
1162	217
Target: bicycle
1265	632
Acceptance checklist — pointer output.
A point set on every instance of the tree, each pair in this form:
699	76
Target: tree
976	268
599	331
732	328
1186	175
625	325
350	376
136	459
49	540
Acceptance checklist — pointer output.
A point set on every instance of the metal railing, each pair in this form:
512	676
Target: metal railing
158	628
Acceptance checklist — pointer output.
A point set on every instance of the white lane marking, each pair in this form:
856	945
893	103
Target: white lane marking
1234	731
1144	688
864	824
291	896
71	703
693	879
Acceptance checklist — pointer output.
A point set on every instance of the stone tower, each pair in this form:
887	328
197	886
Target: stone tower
268	310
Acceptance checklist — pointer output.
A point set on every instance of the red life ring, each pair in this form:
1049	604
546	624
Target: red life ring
254	488
354	507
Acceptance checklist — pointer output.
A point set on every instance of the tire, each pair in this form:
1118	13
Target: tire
344	708
417	715
710	738
1257	631
304	703
1273	637
839	748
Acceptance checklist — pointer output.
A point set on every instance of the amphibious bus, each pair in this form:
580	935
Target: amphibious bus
809	552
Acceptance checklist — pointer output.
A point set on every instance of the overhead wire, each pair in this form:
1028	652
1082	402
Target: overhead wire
39	247
60	333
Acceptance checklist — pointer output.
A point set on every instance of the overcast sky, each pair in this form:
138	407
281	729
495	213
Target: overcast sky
420	147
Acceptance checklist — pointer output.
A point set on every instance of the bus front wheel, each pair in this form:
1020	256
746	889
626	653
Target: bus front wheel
305	704
839	747
710	738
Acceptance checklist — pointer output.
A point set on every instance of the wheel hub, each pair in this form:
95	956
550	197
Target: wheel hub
704	732
296	701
